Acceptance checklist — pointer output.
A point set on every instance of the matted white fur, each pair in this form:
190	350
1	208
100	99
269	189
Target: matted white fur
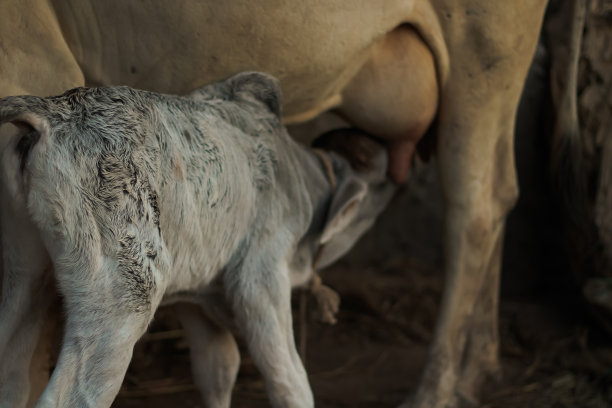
132	198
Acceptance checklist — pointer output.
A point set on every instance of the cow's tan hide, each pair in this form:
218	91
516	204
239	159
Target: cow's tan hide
388	66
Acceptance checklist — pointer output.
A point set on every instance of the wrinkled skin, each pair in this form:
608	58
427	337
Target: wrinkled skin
391	70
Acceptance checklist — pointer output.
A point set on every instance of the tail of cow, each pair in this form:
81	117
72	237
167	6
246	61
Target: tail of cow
567	160
581	160
25	111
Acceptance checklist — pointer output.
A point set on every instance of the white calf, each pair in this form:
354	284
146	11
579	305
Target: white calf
133	198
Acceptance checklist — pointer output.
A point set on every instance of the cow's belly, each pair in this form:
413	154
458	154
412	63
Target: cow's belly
316	48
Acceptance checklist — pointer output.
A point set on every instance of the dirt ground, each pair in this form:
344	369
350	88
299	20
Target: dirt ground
552	354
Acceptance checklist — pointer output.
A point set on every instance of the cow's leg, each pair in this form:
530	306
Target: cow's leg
19	336
489	57
261	302
480	357
214	356
26	294
478	196
35	60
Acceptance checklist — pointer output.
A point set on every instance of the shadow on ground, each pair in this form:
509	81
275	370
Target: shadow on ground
552	355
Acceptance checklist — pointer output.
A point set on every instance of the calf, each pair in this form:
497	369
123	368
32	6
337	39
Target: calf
134	198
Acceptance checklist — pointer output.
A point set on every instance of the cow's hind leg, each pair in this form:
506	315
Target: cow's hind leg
20	343
35	60
480	358
214	356
475	151
478	196
26	295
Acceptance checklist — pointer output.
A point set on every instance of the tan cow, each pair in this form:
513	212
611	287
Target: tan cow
390	67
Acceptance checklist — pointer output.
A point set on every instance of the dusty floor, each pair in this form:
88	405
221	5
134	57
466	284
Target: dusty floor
552	354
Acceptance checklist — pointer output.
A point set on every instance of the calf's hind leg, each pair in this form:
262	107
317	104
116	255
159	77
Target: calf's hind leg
107	311
214	356
94	357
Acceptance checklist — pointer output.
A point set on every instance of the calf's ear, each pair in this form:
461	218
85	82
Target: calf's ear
259	86
250	85
344	207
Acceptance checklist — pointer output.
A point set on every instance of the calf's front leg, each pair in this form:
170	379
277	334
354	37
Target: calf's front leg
260	295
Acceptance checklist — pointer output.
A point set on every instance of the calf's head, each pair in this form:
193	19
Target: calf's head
360	191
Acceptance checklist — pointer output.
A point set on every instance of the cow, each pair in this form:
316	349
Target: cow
137	199
399	69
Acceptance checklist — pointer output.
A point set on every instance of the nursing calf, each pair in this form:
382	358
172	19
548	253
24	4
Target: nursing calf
134	199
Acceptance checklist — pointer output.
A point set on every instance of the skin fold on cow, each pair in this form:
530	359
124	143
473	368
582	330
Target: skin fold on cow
453	68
